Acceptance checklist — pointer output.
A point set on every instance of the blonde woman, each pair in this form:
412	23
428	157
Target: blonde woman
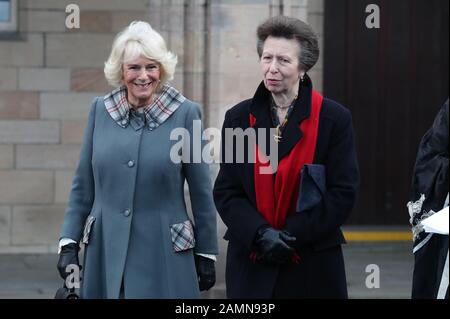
126	204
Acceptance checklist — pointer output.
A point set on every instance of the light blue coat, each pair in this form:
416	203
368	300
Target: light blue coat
133	194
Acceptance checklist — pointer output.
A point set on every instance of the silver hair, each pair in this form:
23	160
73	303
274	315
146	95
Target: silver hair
139	38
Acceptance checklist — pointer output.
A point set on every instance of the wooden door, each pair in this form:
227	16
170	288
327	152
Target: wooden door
393	79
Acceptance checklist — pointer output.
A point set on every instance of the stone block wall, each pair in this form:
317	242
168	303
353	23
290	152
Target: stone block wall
48	77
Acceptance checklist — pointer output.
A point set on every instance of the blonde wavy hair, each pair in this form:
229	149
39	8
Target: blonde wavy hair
139	38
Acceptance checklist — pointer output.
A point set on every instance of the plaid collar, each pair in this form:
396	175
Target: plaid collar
166	102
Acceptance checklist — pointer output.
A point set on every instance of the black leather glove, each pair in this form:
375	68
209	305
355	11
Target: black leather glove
206	272
273	246
67	256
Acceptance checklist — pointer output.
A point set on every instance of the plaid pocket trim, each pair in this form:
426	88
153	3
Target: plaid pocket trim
182	236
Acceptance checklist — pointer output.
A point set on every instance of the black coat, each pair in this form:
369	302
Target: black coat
320	272
430	179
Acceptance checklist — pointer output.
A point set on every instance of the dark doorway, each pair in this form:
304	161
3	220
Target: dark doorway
393	79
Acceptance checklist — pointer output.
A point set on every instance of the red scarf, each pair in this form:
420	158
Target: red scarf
277	195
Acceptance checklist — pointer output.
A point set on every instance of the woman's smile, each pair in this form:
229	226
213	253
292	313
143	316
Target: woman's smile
141	77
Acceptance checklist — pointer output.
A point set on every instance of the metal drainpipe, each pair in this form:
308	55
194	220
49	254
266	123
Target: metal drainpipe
206	65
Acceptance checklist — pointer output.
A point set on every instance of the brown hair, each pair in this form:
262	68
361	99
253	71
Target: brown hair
291	28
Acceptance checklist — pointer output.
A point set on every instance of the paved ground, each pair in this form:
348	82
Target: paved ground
395	262
35	276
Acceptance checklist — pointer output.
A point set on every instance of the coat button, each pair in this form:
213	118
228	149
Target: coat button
127	212
130	163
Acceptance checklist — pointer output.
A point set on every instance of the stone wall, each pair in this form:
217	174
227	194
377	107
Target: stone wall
50	74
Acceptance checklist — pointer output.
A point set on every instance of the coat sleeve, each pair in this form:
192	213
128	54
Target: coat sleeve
431	173
342	179
82	193
200	189
233	204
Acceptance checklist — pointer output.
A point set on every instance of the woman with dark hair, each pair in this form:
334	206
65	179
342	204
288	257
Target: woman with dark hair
284	237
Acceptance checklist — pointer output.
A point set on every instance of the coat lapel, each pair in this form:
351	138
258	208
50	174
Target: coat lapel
260	108
302	110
